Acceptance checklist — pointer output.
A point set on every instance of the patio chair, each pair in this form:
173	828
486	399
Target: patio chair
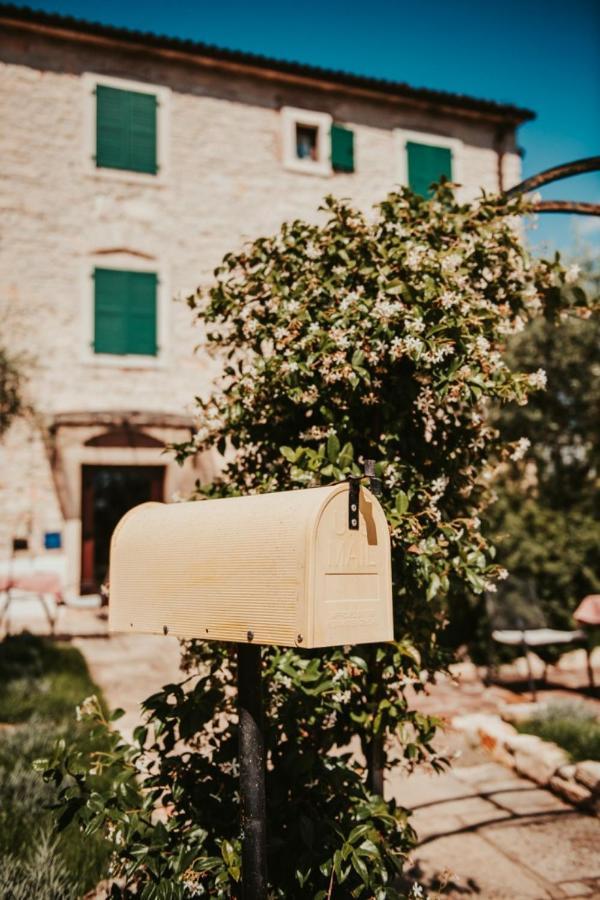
22	579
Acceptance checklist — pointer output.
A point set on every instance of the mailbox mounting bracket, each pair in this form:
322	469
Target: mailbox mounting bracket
353	498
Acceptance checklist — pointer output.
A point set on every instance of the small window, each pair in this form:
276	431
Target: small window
307	145
306	141
125	312
126	132
426	165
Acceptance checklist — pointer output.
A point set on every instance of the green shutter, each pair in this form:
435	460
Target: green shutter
111	288
141	313
342	149
125	130
125	312
426	165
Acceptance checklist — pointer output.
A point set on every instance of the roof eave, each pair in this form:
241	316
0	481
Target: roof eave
208	56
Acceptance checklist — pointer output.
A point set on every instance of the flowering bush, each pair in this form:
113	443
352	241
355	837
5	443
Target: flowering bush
380	338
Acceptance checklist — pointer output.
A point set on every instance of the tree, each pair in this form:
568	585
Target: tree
11	389
376	337
546	523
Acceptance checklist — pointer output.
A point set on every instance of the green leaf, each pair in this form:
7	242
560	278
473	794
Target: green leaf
333	448
433	587
359	867
402	502
345	456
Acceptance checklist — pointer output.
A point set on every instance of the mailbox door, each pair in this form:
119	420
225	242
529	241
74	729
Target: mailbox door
352	576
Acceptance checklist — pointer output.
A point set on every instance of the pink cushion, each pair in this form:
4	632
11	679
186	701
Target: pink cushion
588	611
34	582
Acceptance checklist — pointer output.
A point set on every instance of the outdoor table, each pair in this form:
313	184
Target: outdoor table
535	637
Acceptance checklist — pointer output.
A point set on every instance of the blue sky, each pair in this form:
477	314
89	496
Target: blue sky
541	54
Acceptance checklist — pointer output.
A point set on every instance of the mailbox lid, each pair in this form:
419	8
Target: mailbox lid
216	569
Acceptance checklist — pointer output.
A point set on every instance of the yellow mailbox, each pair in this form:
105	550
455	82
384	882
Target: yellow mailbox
296	568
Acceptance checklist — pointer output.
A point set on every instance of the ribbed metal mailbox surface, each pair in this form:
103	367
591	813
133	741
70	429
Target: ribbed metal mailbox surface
280	568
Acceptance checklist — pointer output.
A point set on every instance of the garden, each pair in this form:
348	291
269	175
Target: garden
422	337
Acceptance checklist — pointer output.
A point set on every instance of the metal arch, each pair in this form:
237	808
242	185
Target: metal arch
556	173
567	206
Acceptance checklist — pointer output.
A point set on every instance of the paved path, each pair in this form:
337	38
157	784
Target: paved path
485	832
130	668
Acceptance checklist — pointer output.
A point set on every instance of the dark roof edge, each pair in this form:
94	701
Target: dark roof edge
487	108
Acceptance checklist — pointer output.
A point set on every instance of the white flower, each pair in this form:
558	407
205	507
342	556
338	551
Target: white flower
521	449
451	262
87	707
341	697
415	255
314	327
538	379
439	485
413	344
415	326
572	274
448	299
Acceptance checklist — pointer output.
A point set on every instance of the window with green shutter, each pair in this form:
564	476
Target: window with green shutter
125	130
125	312
342	149
426	165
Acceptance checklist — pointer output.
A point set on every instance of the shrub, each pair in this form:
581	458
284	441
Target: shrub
572	726
40	684
40	872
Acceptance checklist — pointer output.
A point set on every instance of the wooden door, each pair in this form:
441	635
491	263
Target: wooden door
107	493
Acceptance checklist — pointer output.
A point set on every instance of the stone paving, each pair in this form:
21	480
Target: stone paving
485	832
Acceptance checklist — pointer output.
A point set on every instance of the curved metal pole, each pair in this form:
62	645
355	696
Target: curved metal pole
567	206
556	173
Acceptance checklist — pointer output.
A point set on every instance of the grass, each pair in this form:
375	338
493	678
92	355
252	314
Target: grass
570	725
41	683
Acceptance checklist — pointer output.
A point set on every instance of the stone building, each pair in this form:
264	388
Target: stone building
130	164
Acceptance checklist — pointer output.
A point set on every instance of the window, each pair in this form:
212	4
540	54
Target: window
307	142
312	143
424	158
125	312
125	130
426	165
